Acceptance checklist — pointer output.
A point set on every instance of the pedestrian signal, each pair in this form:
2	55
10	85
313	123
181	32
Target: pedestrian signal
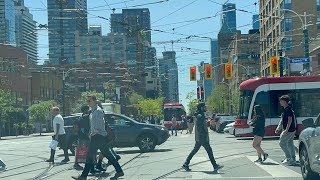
274	65
208	71
193	73
228	71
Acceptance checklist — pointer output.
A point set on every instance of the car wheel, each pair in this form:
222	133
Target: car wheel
147	143
306	171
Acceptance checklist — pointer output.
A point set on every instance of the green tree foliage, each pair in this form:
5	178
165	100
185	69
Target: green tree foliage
39	112
235	101
76	106
7	106
192	106
218	101
150	107
135	98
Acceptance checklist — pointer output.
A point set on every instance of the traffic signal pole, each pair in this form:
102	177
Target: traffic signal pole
306	66
280	62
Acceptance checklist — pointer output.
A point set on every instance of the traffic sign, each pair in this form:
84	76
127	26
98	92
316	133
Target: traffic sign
299	60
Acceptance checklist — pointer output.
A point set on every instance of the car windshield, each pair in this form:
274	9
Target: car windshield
244	105
169	112
226	118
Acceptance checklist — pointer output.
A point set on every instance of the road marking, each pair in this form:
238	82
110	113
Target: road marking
275	170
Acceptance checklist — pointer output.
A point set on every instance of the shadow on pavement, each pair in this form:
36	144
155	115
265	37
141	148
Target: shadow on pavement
270	163
209	172
138	151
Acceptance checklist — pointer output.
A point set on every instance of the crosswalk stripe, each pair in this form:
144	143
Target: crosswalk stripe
277	170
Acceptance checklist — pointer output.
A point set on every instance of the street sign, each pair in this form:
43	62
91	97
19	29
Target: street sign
299	60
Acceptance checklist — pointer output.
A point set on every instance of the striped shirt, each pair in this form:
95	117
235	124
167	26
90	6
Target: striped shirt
97	124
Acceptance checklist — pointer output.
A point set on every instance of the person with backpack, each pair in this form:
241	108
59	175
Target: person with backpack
288	123
202	138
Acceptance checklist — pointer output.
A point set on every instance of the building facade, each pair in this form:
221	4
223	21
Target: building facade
286	32
63	23
168	70
214	60
26	37
255	22
125	21
229	18
7	22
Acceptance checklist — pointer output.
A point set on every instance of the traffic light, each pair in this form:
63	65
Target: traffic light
202	93
198	93
274	65
193	73
228	71
208	71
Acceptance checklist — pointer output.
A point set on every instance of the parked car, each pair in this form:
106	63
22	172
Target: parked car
131	133
222	121
309	149
229	128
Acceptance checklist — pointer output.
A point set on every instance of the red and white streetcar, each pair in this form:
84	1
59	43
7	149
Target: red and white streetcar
173	108
303	90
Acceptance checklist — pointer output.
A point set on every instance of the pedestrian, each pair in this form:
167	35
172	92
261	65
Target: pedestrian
202	138
98	137
174	124
288	123
184	123
59	135
258	123
190	123
82	130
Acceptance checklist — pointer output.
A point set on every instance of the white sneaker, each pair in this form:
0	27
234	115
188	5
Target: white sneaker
285	161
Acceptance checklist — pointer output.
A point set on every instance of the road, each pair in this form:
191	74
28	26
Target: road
25	160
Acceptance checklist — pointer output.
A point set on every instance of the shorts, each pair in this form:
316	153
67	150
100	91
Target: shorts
259	133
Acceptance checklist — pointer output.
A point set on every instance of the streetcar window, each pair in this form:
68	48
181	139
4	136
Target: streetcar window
307	104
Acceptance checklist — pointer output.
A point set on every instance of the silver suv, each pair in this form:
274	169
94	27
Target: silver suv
309	149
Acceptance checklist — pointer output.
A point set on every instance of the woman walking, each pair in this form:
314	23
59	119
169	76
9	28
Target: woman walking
258	123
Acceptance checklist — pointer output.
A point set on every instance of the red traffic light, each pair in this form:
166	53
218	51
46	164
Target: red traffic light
228	67
274	61
208	68
193	70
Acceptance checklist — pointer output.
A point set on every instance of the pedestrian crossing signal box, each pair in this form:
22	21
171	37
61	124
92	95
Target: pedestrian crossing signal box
208	71
193	73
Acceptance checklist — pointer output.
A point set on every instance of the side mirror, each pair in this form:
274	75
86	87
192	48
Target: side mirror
308	122
129	123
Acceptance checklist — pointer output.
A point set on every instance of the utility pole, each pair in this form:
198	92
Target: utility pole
280	62
306	66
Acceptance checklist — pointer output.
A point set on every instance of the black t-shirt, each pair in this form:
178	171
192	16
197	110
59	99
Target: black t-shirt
288	112
259	123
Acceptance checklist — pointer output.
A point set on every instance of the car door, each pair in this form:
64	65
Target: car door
315	146
123	129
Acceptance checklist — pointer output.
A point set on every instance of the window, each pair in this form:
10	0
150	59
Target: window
287	4
262	99
307	104
116	120
94	40
288	24
275	108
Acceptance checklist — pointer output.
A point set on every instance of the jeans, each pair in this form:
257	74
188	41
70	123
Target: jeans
63	145
286	144
196	148
175	128
99	142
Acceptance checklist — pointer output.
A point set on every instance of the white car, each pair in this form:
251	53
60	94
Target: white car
229	128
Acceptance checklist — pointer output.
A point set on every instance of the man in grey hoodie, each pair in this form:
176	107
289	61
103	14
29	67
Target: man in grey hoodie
202	138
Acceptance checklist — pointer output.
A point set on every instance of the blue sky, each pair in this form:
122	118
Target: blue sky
164	16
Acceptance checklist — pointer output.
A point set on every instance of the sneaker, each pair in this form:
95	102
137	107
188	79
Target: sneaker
118	157
117	175
77	167
217	167
285	161
100	168
78	178
292	162
258	160
50	160
265	156
186	167
65	160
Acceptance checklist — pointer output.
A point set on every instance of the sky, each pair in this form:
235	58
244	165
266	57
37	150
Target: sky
171	16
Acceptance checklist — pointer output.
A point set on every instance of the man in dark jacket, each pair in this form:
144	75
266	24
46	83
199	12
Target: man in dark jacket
202	138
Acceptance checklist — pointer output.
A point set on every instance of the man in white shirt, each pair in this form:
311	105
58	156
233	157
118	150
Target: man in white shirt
59	135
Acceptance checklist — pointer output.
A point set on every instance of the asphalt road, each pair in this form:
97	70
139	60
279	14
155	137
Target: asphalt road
25	160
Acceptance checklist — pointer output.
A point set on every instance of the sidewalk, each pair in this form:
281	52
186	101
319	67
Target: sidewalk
25	136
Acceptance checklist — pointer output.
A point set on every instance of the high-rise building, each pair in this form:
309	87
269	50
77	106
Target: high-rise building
229	18
95	30
168	70
281	29
65	18
206	84
131	20
26	37
214	59
7	22
255	22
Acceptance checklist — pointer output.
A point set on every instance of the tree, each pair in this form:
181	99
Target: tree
76	107
192	106
219	99
135	98
235	101
7	107
39	112
151	107
16	126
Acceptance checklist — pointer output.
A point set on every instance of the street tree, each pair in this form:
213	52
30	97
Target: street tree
135	98
76	106
218	101
8	105
151	107
39	112
235	101
192	105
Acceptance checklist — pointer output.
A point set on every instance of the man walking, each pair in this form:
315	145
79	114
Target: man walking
98	138
59	135
174	124
202	138
288	123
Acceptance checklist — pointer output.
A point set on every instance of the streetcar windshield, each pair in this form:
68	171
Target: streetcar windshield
245	101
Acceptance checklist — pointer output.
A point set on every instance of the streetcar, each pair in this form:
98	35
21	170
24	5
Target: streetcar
303	90
173	108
